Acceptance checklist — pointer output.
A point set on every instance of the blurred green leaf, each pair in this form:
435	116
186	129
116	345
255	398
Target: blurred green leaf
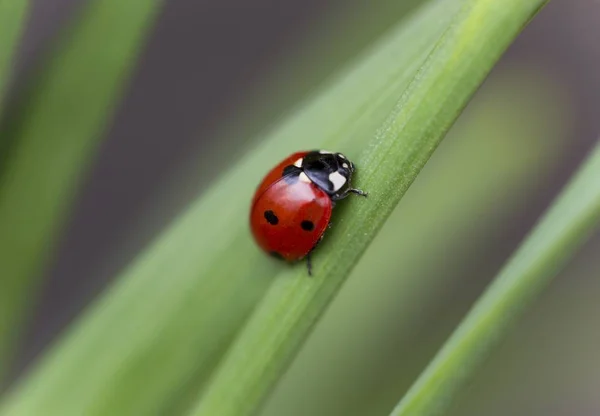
567	224
474	38
521	374
12	17
53	133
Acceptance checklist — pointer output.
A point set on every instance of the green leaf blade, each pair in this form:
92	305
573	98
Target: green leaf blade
159	331
466	192
53	132
12	17
463	56
567	224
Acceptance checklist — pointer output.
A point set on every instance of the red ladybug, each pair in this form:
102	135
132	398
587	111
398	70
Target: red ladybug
292	205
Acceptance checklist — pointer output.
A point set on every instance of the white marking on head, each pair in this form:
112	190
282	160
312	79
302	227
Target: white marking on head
298	163
304	178
345	165
338	180
341	156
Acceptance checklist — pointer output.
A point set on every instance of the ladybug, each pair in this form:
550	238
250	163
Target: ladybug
292	205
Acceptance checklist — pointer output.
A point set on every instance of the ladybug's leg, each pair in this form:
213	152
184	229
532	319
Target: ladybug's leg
347	192
308	258
357	192
309	264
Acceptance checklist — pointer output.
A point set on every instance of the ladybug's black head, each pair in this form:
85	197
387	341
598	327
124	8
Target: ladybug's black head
331	172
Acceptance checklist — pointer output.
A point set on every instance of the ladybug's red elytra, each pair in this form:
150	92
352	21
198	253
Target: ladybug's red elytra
292	205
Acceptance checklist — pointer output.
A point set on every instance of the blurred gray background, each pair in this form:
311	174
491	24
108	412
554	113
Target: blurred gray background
205	63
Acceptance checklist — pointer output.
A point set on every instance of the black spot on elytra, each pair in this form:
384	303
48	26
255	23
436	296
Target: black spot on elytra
271	217
291	174
307	225
276	255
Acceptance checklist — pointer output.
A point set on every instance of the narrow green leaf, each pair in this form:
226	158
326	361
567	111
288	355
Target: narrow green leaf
12	17
363	350
474	39
162	327
567	224
53	133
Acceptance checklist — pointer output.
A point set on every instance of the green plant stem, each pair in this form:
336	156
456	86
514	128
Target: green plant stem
12	16
462	57
53	132
567	224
